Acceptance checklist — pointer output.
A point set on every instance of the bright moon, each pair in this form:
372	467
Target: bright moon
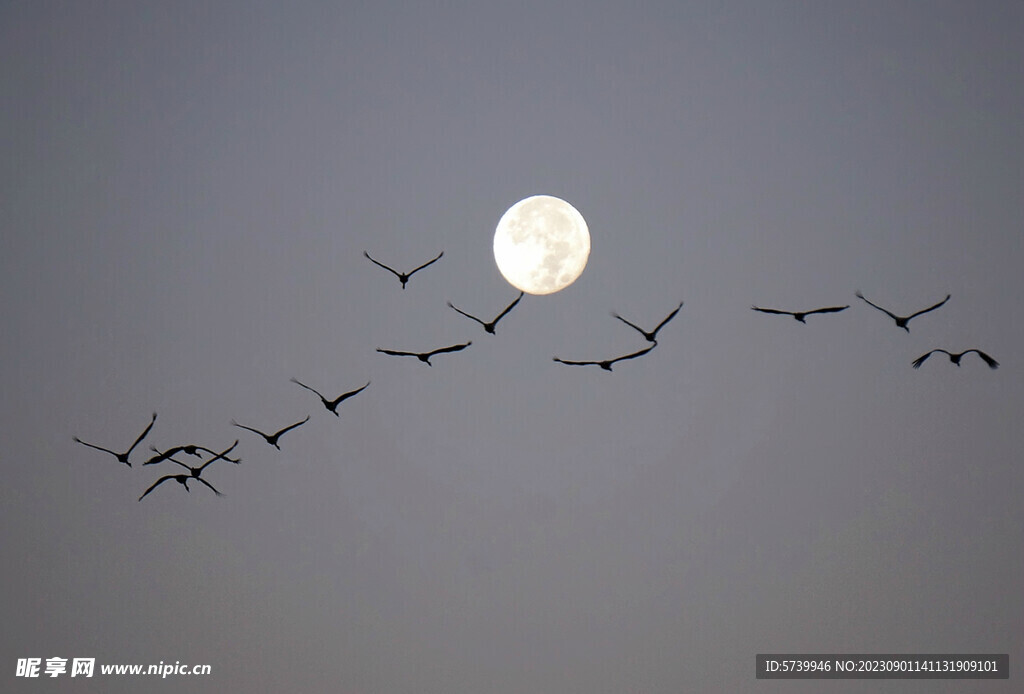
541	244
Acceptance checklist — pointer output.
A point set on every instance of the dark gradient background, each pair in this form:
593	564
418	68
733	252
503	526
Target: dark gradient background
187	190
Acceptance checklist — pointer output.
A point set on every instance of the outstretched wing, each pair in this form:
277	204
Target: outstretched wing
508	308
635	327
577	363
242	426
830	309
160	457
396	353
290	427
142	435
772	310
345	396
861	297
921	359
98	448
992	363
219	456
634	355
459	310
453	348
429	262
296	382
930	308
377	262
157	484
210	486
668	318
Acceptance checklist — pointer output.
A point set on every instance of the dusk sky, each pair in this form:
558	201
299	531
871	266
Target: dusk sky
186	192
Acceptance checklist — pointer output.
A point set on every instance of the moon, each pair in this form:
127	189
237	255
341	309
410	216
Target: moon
541	244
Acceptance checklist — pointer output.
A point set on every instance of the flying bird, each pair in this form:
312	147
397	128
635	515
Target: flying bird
607	364
653	335
121	457
180	479
190	449
800	315
403	277
955	358
425	356
488	327
271	438
901	321
332	405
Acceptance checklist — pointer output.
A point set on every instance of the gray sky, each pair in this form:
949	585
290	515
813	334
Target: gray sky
187	193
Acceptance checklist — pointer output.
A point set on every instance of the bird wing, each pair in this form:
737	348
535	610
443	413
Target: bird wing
992	363
291	426
635	327
508	308
921	359
930	308
98	448
210	486
576	363
668	318
396	353
634	355
429	262
219	456
830	309
142	435
453	348
452	306
295	381
772	310
242	426
891	315
345	396
157	484
160	457
377	262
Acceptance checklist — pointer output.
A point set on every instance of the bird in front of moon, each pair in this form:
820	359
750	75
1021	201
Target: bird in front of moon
541	244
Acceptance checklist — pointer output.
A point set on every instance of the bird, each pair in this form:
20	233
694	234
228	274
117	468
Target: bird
800	315
403	277
425	356
901	321
488	327
607	363
272	438
195	472
955	358
190	449
332	405
122	457
653	335
180	479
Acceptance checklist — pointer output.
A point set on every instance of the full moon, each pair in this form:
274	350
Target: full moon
541	244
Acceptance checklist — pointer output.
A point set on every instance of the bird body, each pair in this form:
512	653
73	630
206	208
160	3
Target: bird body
403	277
425	356
955	358
800	315
901	321
607	363
653	335
488	327
332	405
121	457
272	439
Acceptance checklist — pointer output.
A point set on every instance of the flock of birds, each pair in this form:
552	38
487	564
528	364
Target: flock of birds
194	473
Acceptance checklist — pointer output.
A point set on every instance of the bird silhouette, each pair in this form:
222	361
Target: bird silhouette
653	335
488	327
195	472
607	363
272	438
180	479
332	405
799	315
403	277
122	457
901	321
190	449
425	356
955	358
